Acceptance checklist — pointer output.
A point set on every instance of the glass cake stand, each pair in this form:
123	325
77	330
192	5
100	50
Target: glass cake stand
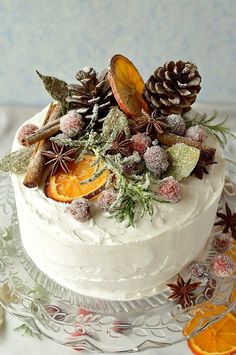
95	324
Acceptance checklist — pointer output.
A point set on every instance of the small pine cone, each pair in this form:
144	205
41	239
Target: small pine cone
176	124
93	88
173	88
72	123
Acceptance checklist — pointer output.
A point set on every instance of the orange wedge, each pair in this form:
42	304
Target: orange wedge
64	187
218	338
127	85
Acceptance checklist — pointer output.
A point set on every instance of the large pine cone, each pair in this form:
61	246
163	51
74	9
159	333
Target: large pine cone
92	89
173	88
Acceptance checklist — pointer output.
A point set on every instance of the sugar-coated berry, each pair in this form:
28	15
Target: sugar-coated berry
176	124
133	168
156	160
72	123
199	270
25	131
196	133
106	199
222	265
141	141
80	209
169	190
221	242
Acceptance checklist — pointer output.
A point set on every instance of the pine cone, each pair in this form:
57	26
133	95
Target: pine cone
173	88
92	89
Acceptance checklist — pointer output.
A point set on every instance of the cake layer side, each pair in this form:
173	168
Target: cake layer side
105	258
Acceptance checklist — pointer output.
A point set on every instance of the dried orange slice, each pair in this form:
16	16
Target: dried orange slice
218	338
127	85
64	187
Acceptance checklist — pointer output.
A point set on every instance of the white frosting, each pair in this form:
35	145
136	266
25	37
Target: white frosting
107	259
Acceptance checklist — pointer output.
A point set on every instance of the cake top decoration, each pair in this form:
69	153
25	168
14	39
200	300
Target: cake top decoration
117	141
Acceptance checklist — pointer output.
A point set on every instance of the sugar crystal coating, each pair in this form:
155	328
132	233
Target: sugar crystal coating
156	160
25	131
199	270
169	190
72	123
222	265
221	242
141	141
176	124
106	198
80	210
196	133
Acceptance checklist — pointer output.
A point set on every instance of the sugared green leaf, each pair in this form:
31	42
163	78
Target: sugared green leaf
183	160
115	122
57	88
16	162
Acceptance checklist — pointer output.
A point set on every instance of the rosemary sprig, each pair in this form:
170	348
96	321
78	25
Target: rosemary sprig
134	198
219	131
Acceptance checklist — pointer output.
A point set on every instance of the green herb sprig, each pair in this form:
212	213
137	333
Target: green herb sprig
219	131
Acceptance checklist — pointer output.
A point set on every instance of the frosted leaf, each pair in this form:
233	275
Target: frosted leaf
16	162
115	122
57	88
183	160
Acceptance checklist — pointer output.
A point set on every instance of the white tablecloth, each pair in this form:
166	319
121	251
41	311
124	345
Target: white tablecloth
12	342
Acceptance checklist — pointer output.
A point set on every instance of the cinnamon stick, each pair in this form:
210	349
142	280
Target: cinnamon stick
171	139
42	133
36	166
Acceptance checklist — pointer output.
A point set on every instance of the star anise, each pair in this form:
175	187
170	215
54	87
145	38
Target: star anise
183	291
206	158
228	220
59	157
121	145
151	125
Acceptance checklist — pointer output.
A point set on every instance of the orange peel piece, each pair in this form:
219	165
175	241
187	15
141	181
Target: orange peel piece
64	187
127	85
218	338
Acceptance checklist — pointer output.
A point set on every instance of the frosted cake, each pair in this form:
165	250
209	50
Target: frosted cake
117	181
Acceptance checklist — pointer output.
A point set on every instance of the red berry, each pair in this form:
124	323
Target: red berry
106	198
25	131
141	141
80	210
156	160
221	242
176	124
222	265
199	270
169	190
72	123
196	133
